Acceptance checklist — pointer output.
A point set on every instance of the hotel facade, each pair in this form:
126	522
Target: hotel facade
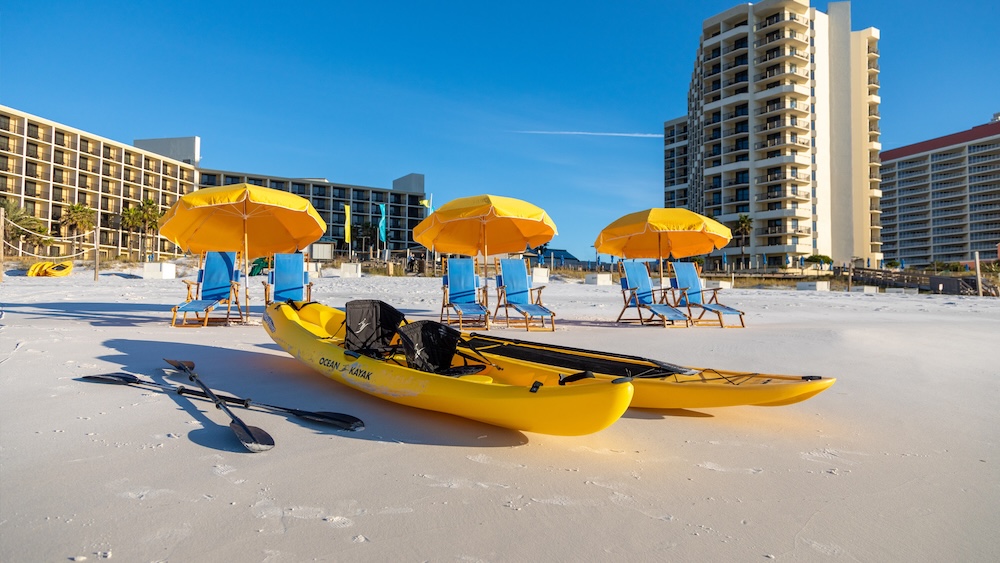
45	167
941	198
782	127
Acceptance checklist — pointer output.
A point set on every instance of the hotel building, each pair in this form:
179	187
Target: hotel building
46	167
941	198
783	127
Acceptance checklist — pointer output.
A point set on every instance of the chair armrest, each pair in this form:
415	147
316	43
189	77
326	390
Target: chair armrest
267	293
538	296
674	299
191	289
714	298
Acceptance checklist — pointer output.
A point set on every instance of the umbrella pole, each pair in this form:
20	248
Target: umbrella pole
486	278
659	260
246	266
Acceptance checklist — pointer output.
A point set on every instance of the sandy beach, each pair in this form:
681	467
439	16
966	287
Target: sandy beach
898	461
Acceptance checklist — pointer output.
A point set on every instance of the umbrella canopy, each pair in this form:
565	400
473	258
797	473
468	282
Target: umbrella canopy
485	223
246	218
255	220
661	233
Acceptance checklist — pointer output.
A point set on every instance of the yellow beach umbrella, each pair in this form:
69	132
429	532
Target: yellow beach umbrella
483	224
254	220
660	233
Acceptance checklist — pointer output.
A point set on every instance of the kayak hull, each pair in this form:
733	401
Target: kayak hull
677	387
509	398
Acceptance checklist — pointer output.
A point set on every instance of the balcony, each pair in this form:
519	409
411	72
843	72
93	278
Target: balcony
782	177
796	20
776	125
783	230
782	54
782	71
782	142
787	35
789	193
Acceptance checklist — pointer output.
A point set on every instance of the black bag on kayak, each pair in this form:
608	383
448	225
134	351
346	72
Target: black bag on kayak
370	327
430	346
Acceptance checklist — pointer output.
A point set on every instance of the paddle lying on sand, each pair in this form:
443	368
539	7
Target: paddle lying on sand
339	420
253	438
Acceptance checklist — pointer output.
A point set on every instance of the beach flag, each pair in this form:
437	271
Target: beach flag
347	224
381	222
428	203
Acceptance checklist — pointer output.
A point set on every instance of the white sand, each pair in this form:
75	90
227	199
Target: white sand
897	462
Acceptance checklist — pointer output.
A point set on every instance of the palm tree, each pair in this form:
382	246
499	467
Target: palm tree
149	214
78	218
744	226
132	222
364	232
20	226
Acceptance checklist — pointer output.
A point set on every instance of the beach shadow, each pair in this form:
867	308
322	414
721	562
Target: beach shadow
214	434
610	323
97	314
659	414
285	381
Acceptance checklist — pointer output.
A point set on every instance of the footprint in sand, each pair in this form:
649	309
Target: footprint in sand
338	521
716	467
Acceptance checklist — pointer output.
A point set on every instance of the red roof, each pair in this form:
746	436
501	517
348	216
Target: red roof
977	132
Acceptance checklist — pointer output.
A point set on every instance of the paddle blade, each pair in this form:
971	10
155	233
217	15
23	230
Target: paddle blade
253	438
114	378
181	364
340	420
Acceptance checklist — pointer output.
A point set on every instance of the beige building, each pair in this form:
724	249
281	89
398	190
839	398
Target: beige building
45	167
941	198
783	127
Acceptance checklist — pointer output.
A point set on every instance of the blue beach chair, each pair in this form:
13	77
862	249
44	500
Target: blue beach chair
288	279
694	296
638	292
463	294
514	290
218	284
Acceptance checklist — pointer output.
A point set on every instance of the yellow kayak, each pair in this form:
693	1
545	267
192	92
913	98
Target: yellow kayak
58	270
503	392
660	385
38	268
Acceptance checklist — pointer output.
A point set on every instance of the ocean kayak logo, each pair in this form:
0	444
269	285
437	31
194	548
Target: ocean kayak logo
353	370
268	322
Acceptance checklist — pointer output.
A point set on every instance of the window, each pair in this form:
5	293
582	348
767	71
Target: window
230	180
210	179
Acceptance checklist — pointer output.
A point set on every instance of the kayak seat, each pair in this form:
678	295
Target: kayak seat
462	371
371	327
430	346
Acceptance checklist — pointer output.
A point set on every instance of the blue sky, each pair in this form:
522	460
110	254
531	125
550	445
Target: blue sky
365	92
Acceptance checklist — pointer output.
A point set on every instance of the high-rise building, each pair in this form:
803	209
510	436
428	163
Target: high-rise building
782	127
45	167
941	198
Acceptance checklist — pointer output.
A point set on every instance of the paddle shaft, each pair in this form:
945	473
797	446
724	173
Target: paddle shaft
340	420
255	439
